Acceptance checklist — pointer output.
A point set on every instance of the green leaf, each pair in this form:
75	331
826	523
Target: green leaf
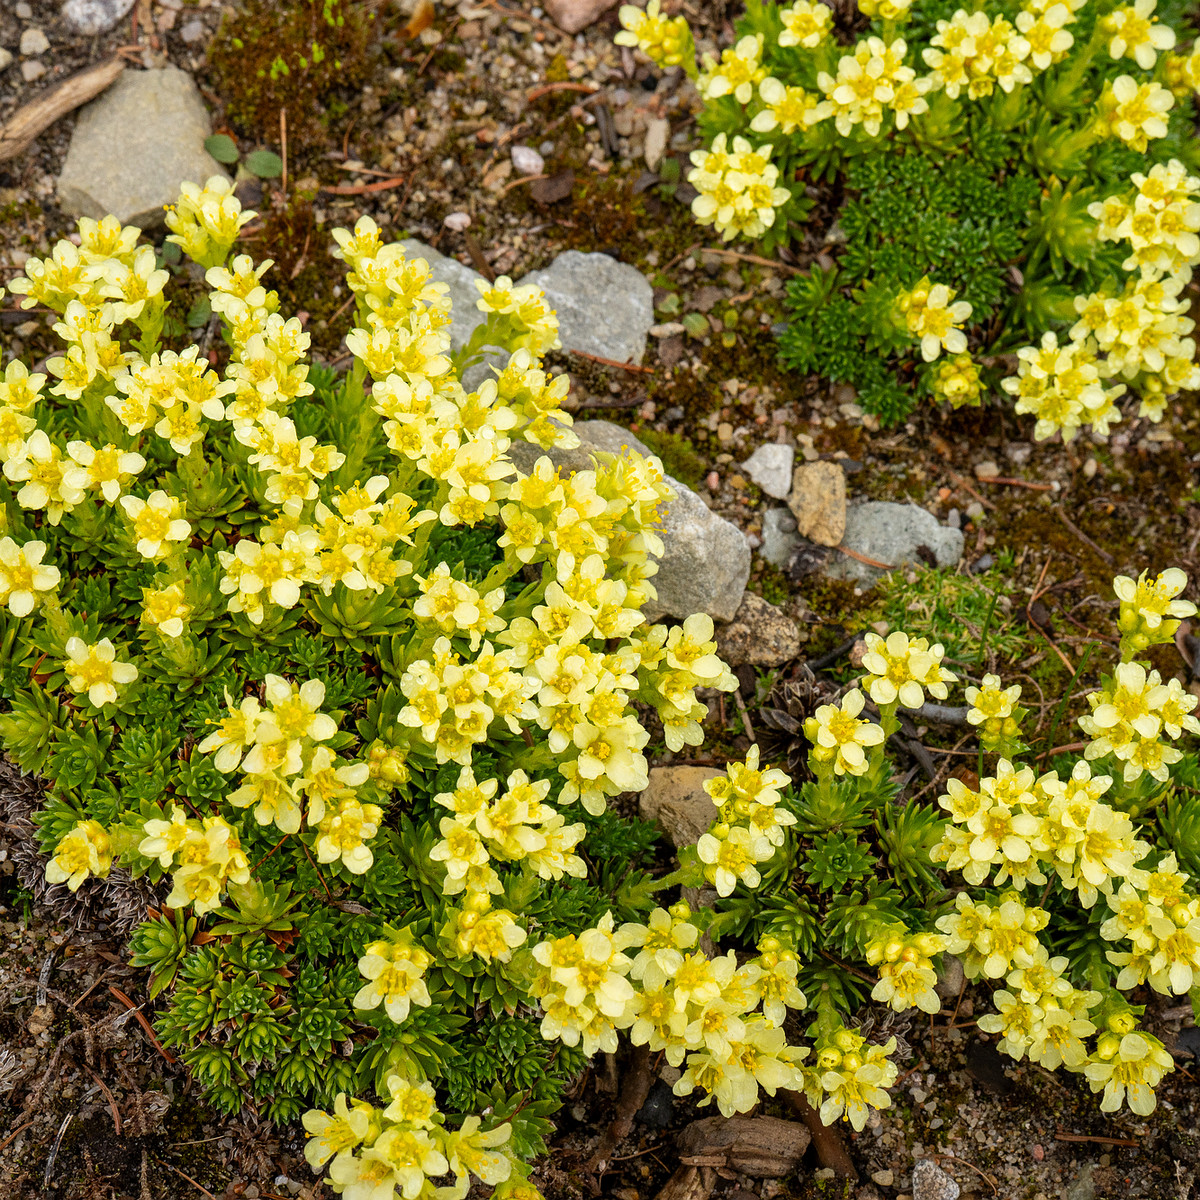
266	164
199	313
222	147
696	324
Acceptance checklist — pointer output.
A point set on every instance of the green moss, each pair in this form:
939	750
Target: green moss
296	55
679	456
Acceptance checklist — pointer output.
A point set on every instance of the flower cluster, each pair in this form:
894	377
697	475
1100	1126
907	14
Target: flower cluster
749	827
378	1153
900	670
394	971
1129	716
870	80
849	1077
905	964
85	851
739	187
205	855
841	737
664	40
277	749
699	1011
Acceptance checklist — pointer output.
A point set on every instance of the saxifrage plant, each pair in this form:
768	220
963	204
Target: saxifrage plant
312	655
1002	173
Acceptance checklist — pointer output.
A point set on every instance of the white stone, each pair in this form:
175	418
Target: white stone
456	222
194	31
92	17
657	131
34	42
770	466
527	160
6	58
32	69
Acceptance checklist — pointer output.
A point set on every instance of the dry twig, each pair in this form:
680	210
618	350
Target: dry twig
32	118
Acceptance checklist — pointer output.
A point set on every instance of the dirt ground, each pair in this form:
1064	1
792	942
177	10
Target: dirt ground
89	1107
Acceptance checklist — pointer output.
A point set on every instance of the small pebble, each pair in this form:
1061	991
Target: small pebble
725	432
32	69
527	160
5	58
713	481
884	1178
34	42
193	32
457	221
986	470
1090	468
23	11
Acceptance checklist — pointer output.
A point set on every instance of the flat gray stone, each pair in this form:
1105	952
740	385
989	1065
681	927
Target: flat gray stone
892	534
706	560
780	538
604	307
770	467
134	145
92	17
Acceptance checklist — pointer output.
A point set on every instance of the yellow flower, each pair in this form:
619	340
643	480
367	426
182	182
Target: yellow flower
165	609
338	1134
933	319
805	24
839	734
1150	611
394	971
1135	113
736	74
730	856
1128	1069
23	575
1136	35
957	379
157	521
93	669
343	831
85	850
664	40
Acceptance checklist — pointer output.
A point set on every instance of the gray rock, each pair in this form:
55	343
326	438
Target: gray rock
892	533
604	307
91	17
930	1182
706	560
34	42
950	979
194	31
677	801
134	145
770	466
759	634
1084	1186
527	161
779	536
